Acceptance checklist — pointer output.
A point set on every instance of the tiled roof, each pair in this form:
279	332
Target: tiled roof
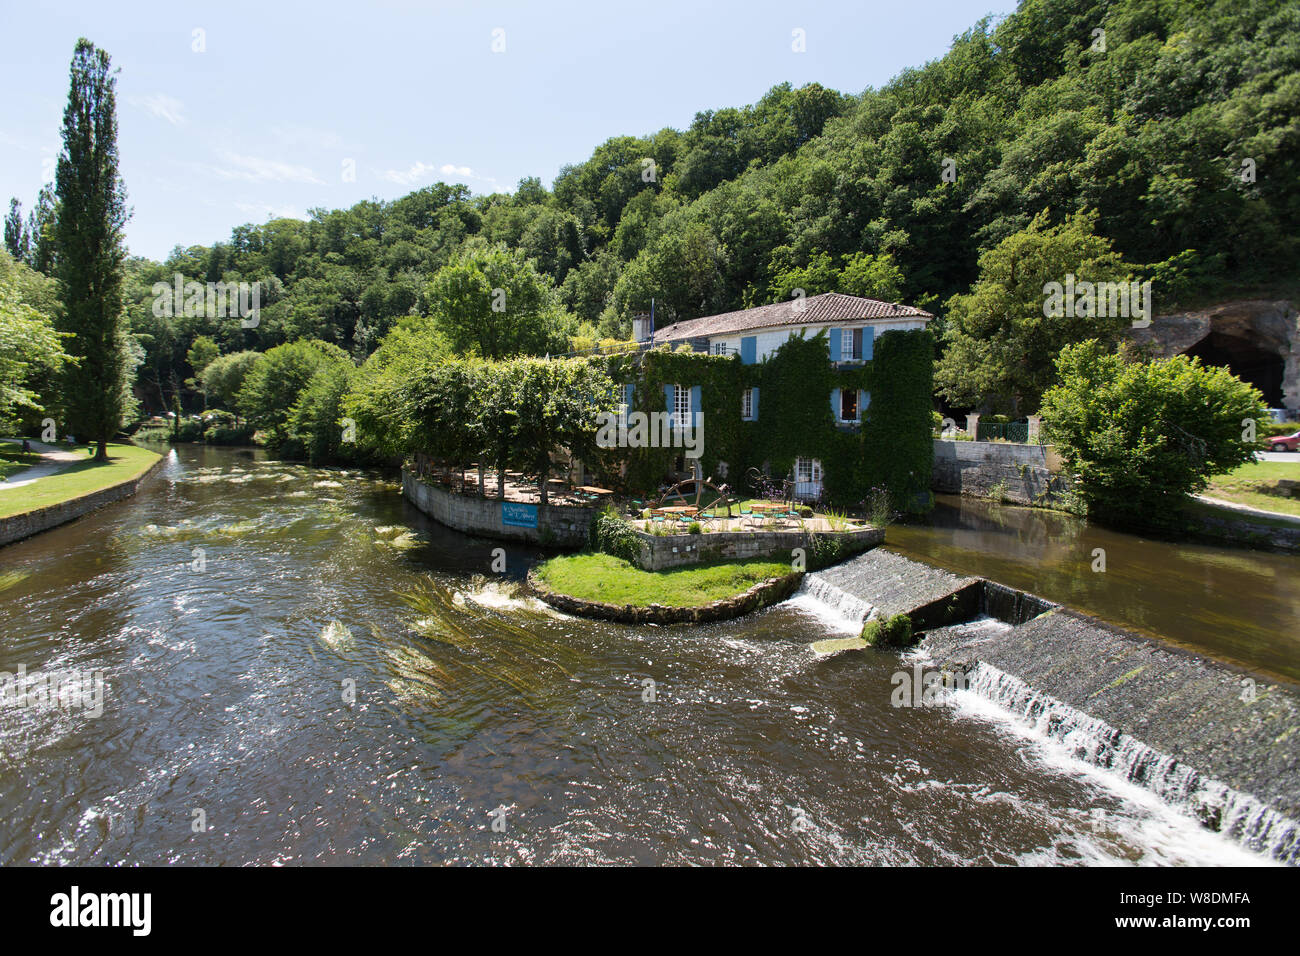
817	309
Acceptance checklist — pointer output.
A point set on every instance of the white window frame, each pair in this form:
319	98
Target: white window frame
807	469
846	344
747	404
681	406
808	478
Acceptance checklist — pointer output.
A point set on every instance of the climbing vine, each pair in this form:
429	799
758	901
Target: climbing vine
891	449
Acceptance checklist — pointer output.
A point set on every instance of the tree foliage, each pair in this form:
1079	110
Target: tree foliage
1139	437
1000	346
91	212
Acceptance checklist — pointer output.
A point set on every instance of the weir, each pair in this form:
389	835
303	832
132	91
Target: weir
1218	743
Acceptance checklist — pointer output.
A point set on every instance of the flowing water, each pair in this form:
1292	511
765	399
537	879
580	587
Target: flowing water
1235	604
300	668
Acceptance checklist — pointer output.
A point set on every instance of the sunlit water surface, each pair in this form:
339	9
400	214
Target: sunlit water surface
302	662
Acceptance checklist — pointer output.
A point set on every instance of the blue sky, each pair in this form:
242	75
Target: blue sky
263	120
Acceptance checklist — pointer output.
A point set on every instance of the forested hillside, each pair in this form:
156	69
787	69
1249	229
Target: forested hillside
1179	125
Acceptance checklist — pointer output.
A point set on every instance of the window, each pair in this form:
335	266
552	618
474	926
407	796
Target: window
719	348
851	345
747	405
623	403
807	479
848	405
681	406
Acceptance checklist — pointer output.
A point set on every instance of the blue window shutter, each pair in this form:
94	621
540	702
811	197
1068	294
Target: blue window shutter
695	403
753	405
627	395
868	342
749	350
668	397
864	402
836	351
835	404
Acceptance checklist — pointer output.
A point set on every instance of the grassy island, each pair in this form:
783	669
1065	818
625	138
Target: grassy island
611	580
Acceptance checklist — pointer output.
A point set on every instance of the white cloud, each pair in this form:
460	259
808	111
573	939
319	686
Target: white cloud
422	171
256	169
161	106
410	176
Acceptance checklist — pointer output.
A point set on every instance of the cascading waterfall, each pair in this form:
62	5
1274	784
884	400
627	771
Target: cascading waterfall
1218	807
837	599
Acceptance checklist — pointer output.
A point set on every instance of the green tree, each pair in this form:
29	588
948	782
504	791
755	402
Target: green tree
873	277
278	378
31	351
40	232
1139	437
223	377
16	240
90	215
316	420
497	422
492	301
202	353
1000	347
558	403
380	400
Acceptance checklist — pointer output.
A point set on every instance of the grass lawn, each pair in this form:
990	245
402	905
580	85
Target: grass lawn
602	577
1244	485
12	459
124	463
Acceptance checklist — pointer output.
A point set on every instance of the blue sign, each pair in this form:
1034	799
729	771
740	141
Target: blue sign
520	516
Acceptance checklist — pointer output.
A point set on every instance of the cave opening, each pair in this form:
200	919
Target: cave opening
1246	360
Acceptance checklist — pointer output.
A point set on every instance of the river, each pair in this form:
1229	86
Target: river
301	669
1238	605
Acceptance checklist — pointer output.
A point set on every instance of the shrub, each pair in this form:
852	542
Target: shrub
892	632
189	431
225	435
614	536
695	528
1139	437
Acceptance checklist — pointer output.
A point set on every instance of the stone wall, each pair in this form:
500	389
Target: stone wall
1023	474
24	525
558	525
674	550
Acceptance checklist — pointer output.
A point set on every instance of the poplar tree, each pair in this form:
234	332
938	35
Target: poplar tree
15	232
90	213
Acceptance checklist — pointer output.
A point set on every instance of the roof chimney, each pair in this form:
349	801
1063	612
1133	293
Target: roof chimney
642	327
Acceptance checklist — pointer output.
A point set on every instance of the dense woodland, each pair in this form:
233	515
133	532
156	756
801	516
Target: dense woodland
1174	137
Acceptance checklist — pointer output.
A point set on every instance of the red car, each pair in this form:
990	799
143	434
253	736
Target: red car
1285	443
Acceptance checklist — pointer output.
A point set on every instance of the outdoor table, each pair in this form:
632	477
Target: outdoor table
679	510
760	507
591	490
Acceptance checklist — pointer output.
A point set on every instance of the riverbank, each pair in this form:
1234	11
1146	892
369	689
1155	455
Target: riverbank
75	489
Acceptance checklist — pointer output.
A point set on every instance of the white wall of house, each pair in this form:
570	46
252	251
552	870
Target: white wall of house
769	340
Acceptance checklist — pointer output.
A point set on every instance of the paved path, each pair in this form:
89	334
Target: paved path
1291	456
1248	510
53	460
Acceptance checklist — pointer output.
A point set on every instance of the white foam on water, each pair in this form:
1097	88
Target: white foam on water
839	611
1173	796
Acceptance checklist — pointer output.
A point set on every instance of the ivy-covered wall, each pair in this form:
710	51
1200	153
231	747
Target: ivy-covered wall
891	449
